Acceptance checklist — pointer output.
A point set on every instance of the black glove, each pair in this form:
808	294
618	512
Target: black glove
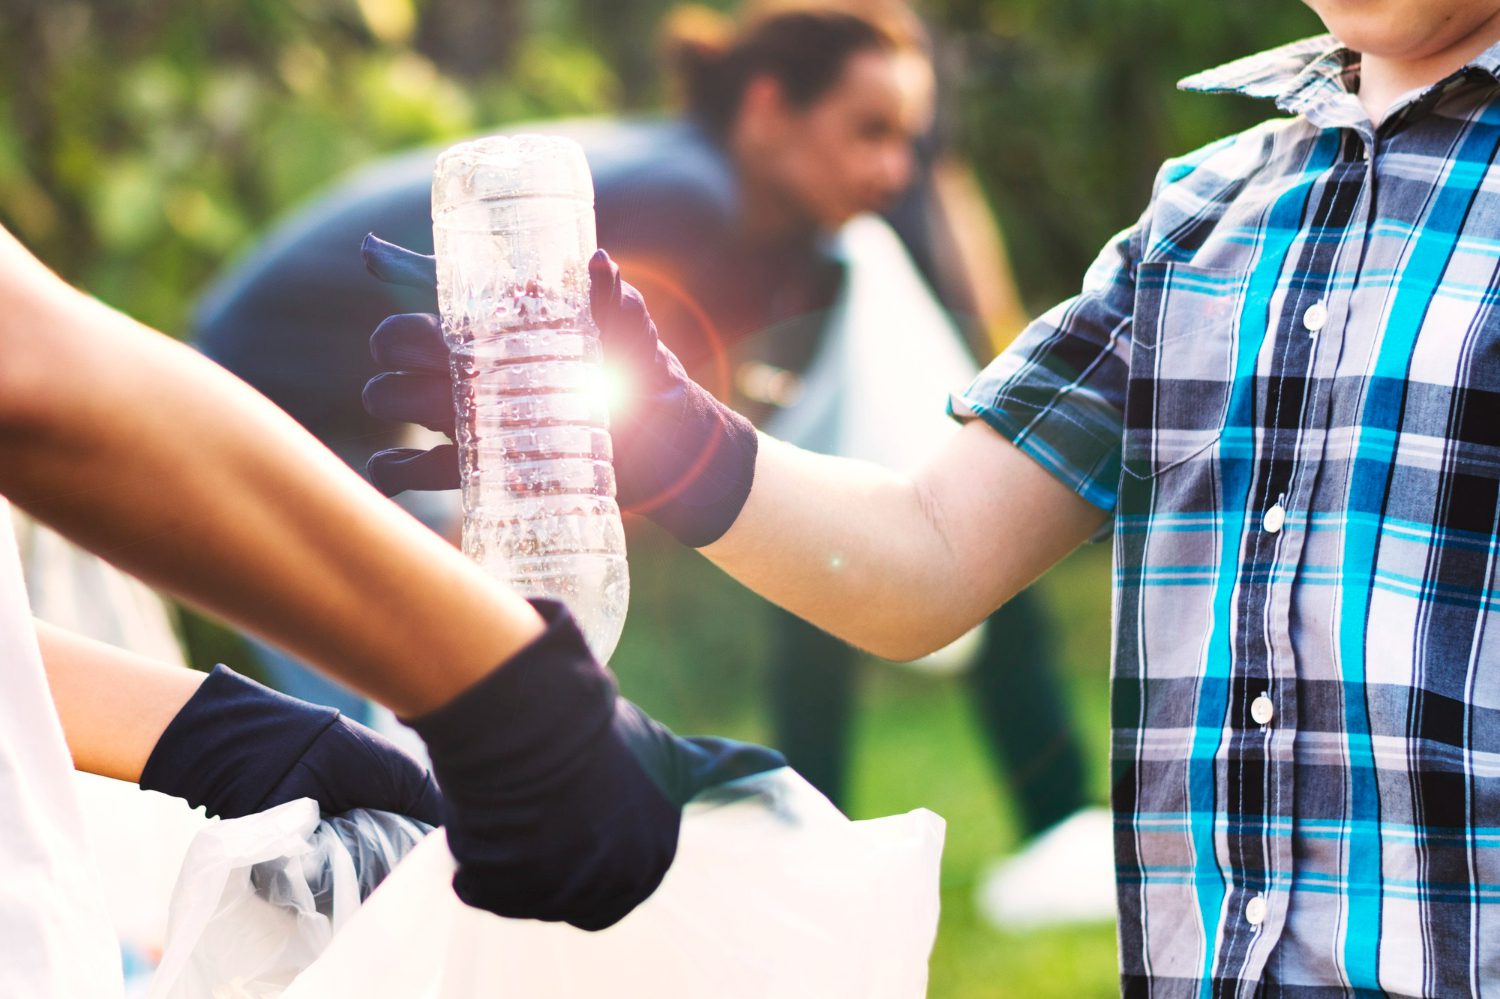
681	457
563	800
237	747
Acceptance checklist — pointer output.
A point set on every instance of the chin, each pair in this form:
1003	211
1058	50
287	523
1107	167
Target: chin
1364	26
1397	29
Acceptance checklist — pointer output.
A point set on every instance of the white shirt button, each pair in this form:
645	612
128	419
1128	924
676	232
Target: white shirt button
1262	710
1255	910
1274	519
1316	317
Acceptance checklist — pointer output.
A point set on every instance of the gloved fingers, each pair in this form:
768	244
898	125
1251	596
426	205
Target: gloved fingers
427	804
376	773
712	761
620	312
411	341
604	284
651	743
682	768
612	299
591	883
398	469
397	264
411	397
350	766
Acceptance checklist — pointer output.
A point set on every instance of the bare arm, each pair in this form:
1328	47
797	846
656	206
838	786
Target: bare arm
114	705
144	452
901	564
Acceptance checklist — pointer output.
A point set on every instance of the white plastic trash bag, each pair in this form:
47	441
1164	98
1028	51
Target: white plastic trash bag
878	387
260	897
774	893
139	840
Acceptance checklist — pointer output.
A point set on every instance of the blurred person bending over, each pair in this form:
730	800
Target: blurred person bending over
1278	392
561	800
799	117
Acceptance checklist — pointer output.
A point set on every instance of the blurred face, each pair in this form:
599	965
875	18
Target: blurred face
850	151
1411	30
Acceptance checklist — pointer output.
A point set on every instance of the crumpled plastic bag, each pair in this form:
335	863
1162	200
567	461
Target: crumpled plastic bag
139	840
260	897
774	893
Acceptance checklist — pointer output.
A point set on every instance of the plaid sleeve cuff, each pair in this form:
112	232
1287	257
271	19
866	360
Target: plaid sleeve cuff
1056	414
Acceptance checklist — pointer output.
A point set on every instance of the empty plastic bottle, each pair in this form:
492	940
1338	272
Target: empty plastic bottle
513	224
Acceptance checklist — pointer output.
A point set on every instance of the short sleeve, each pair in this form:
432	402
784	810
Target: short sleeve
1058	392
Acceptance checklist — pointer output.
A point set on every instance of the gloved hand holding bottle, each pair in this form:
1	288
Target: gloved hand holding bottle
681	457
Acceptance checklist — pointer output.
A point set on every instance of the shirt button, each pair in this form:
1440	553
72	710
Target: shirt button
1274	519
1316	317
1255	910
1262	710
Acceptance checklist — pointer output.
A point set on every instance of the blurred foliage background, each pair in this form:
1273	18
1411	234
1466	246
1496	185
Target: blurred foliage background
143	143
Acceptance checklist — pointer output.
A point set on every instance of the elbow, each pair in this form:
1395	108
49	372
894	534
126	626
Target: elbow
913	640
903	651
923	610
908	649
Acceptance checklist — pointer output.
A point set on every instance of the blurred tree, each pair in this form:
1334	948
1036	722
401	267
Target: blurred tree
143	142
1067	107
626	35
472	38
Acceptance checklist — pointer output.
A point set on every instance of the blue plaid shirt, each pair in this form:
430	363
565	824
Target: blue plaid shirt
1284	384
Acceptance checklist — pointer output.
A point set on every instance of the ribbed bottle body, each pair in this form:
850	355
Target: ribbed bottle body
513	226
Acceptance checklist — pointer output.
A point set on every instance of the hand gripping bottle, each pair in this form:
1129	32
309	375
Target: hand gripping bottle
513	225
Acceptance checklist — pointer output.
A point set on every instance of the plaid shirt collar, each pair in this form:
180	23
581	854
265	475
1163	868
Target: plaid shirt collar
1316	78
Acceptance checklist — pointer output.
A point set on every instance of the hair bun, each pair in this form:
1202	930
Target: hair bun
696	41
802	44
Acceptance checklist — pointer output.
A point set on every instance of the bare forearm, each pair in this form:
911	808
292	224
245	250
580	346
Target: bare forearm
114	705
845	544
152	456
901	564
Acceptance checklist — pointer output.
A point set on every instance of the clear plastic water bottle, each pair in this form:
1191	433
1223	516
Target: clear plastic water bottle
513	224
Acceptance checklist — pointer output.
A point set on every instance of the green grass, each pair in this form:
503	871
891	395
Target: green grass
693	655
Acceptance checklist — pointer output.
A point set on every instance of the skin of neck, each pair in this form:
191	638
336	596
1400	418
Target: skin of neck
1384	79
767	215
756	137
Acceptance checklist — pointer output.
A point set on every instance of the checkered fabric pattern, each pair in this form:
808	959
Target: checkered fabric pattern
1284	384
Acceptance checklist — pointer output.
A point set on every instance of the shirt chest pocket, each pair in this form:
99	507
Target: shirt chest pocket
1181	364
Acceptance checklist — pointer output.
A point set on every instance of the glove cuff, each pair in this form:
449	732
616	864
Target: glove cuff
528	720
232	742
705	466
